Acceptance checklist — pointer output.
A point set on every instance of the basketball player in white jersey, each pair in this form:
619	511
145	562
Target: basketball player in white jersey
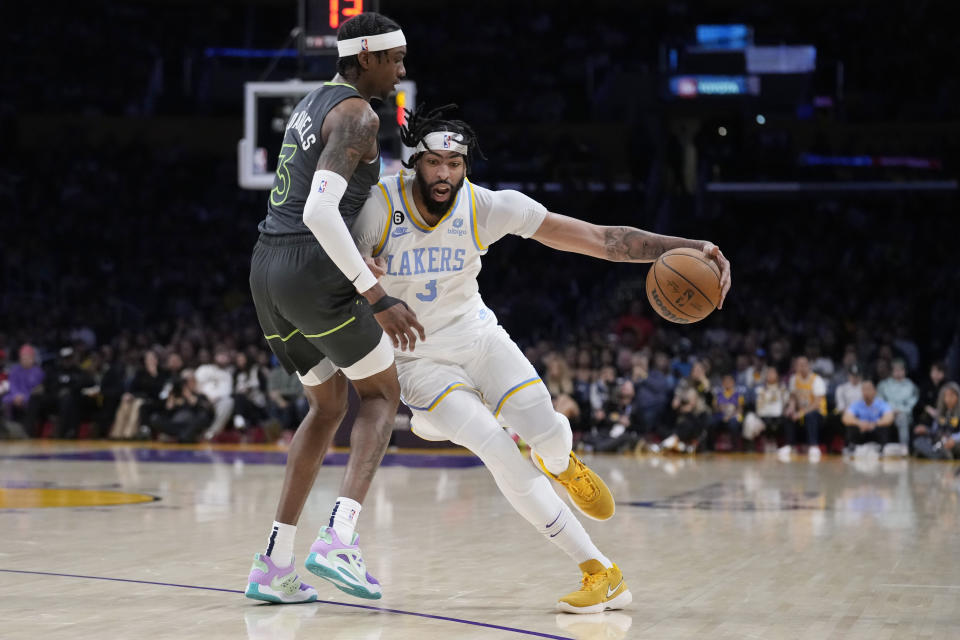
425	231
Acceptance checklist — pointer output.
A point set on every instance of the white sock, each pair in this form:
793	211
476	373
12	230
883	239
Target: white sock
567	533
556	465
343	519
280	544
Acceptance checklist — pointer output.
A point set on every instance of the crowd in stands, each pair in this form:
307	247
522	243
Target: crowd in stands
142	325
124	305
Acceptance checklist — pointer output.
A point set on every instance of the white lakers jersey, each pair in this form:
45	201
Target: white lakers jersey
434	269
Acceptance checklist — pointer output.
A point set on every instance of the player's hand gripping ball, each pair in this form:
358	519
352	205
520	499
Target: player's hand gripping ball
683	286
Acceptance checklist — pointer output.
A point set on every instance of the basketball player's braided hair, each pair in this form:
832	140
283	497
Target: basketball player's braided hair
420	124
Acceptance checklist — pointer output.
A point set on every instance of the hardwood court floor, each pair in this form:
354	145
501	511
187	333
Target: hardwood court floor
712	547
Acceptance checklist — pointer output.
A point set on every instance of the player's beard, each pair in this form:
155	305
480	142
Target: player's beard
434	207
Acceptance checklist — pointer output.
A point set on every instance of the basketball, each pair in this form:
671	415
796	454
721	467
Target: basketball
683	286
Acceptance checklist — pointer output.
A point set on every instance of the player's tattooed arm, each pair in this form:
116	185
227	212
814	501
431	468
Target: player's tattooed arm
349	133
626	244
617	244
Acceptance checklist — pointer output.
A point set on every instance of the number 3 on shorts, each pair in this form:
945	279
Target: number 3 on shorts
431	293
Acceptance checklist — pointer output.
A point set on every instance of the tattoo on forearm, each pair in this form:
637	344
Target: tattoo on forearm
623	244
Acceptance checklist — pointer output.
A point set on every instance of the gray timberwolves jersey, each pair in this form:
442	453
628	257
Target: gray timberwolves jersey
302	145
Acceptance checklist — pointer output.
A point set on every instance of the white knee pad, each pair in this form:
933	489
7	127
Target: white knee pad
379	359
421	425
321	372
530	413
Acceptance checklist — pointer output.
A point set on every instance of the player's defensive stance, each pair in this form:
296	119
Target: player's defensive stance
322	311
426	231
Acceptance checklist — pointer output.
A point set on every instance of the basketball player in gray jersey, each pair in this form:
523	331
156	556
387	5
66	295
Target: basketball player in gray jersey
322	311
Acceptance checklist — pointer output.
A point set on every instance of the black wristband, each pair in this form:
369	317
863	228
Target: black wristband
385	303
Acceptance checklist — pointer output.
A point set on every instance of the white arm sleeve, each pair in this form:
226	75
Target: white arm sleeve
503	212
371	224
321	214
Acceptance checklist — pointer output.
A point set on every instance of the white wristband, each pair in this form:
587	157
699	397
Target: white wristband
321	214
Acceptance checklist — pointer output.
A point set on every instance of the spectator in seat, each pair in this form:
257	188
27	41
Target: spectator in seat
602	393
71	395
771	402
869	418
754	375
850	391
822	365
287	404
249	392
809	392
621	423
925	411
25	379
558	379
728	404
901	394
186	412
215	382
845	395
653	389
691	417
111	376
142	399
691	412
942	439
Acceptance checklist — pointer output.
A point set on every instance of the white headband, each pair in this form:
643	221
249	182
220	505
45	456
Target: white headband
443	141
379	42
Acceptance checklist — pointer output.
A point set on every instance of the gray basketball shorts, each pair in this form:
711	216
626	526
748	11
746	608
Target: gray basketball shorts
307	308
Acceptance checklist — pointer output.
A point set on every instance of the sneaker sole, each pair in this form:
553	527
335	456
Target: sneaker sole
619	602
335	578
264	593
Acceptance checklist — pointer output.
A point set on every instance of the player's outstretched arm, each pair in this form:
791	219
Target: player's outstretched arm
623	244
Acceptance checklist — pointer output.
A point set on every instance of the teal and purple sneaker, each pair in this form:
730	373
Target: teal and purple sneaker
279	585
342	565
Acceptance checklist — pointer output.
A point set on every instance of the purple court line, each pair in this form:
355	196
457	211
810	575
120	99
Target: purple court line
339	604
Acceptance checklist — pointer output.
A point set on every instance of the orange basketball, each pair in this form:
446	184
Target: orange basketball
683	286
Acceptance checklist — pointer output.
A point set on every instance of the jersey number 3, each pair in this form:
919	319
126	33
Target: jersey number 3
281	189
431	293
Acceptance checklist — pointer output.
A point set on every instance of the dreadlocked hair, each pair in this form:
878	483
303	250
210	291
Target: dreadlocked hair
419	124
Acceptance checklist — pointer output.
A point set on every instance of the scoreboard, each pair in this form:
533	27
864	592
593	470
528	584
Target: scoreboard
320	19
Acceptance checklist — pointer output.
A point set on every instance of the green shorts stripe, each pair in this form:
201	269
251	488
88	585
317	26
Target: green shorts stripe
326	333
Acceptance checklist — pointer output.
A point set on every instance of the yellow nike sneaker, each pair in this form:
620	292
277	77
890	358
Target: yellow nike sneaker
602	589
587	491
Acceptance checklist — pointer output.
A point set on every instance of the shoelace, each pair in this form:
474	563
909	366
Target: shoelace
582	484
590	580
